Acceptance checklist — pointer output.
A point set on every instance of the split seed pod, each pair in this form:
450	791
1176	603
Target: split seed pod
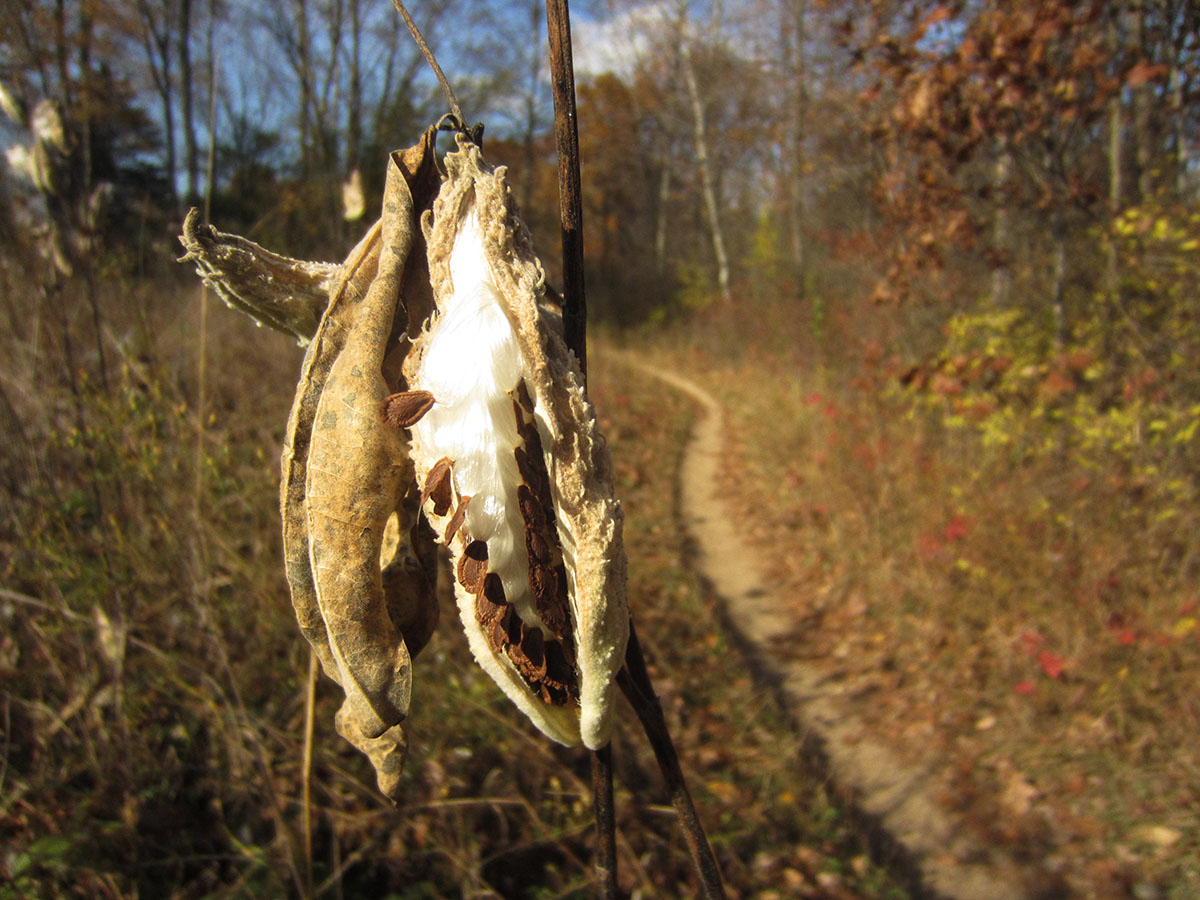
515	477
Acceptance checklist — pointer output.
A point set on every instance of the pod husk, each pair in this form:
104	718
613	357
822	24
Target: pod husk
589	518
366	609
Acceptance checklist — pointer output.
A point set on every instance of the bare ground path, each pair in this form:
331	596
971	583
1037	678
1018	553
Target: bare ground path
900	800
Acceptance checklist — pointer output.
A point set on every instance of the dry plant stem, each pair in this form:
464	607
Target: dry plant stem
633	679
310	703
570	195
429	58
574	307
634	682
606	823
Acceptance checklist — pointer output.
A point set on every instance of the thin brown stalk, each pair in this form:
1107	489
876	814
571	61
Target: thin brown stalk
633	679
310	704
635	684
430	58
570	193
606	824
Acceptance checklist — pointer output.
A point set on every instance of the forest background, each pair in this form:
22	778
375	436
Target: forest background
939	261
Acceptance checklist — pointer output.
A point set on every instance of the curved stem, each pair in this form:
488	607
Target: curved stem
429	58
634	681
606	824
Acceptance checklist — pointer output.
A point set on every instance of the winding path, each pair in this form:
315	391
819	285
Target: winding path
899	801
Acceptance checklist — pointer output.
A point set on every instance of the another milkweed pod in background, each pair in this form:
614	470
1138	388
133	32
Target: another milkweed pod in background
515	477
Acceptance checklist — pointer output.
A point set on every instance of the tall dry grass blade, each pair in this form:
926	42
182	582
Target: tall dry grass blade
310	705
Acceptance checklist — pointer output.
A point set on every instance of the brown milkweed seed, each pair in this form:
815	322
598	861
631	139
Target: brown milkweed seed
456	520
490	603
405	409
493	590
531	509
523	398
437	486
537	545
472	566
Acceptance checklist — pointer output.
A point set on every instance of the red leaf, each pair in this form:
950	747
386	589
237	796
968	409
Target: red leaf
957	528
929	545
1030	642
1025	688
1052	664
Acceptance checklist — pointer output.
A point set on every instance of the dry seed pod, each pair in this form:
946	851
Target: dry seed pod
357	474
364	608
538	557
289	295
330	338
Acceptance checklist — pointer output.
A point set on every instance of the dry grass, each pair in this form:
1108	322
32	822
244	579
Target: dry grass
1030	627
152	676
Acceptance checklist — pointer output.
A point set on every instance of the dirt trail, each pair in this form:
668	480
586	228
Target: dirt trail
900	800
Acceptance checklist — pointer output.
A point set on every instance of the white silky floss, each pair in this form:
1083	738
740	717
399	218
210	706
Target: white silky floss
471	364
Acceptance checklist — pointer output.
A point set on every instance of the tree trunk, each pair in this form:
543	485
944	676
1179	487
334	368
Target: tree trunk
1115	190
535	65
303	65
88	100
191	156
708	190
354	127
1184	16
660	218
798	189
1143	139
157	42
61	53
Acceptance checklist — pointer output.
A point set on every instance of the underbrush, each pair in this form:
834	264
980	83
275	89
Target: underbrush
1003	561
152	678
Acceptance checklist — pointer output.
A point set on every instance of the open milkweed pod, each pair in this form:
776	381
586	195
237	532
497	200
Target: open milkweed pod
516	478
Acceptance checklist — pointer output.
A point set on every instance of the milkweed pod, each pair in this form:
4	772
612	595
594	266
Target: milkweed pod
514	474
366	602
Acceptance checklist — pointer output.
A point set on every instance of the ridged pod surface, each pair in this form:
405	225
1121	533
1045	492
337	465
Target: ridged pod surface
515	477
360	561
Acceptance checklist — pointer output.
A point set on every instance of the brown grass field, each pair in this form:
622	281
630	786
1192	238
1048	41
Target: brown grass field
153	676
